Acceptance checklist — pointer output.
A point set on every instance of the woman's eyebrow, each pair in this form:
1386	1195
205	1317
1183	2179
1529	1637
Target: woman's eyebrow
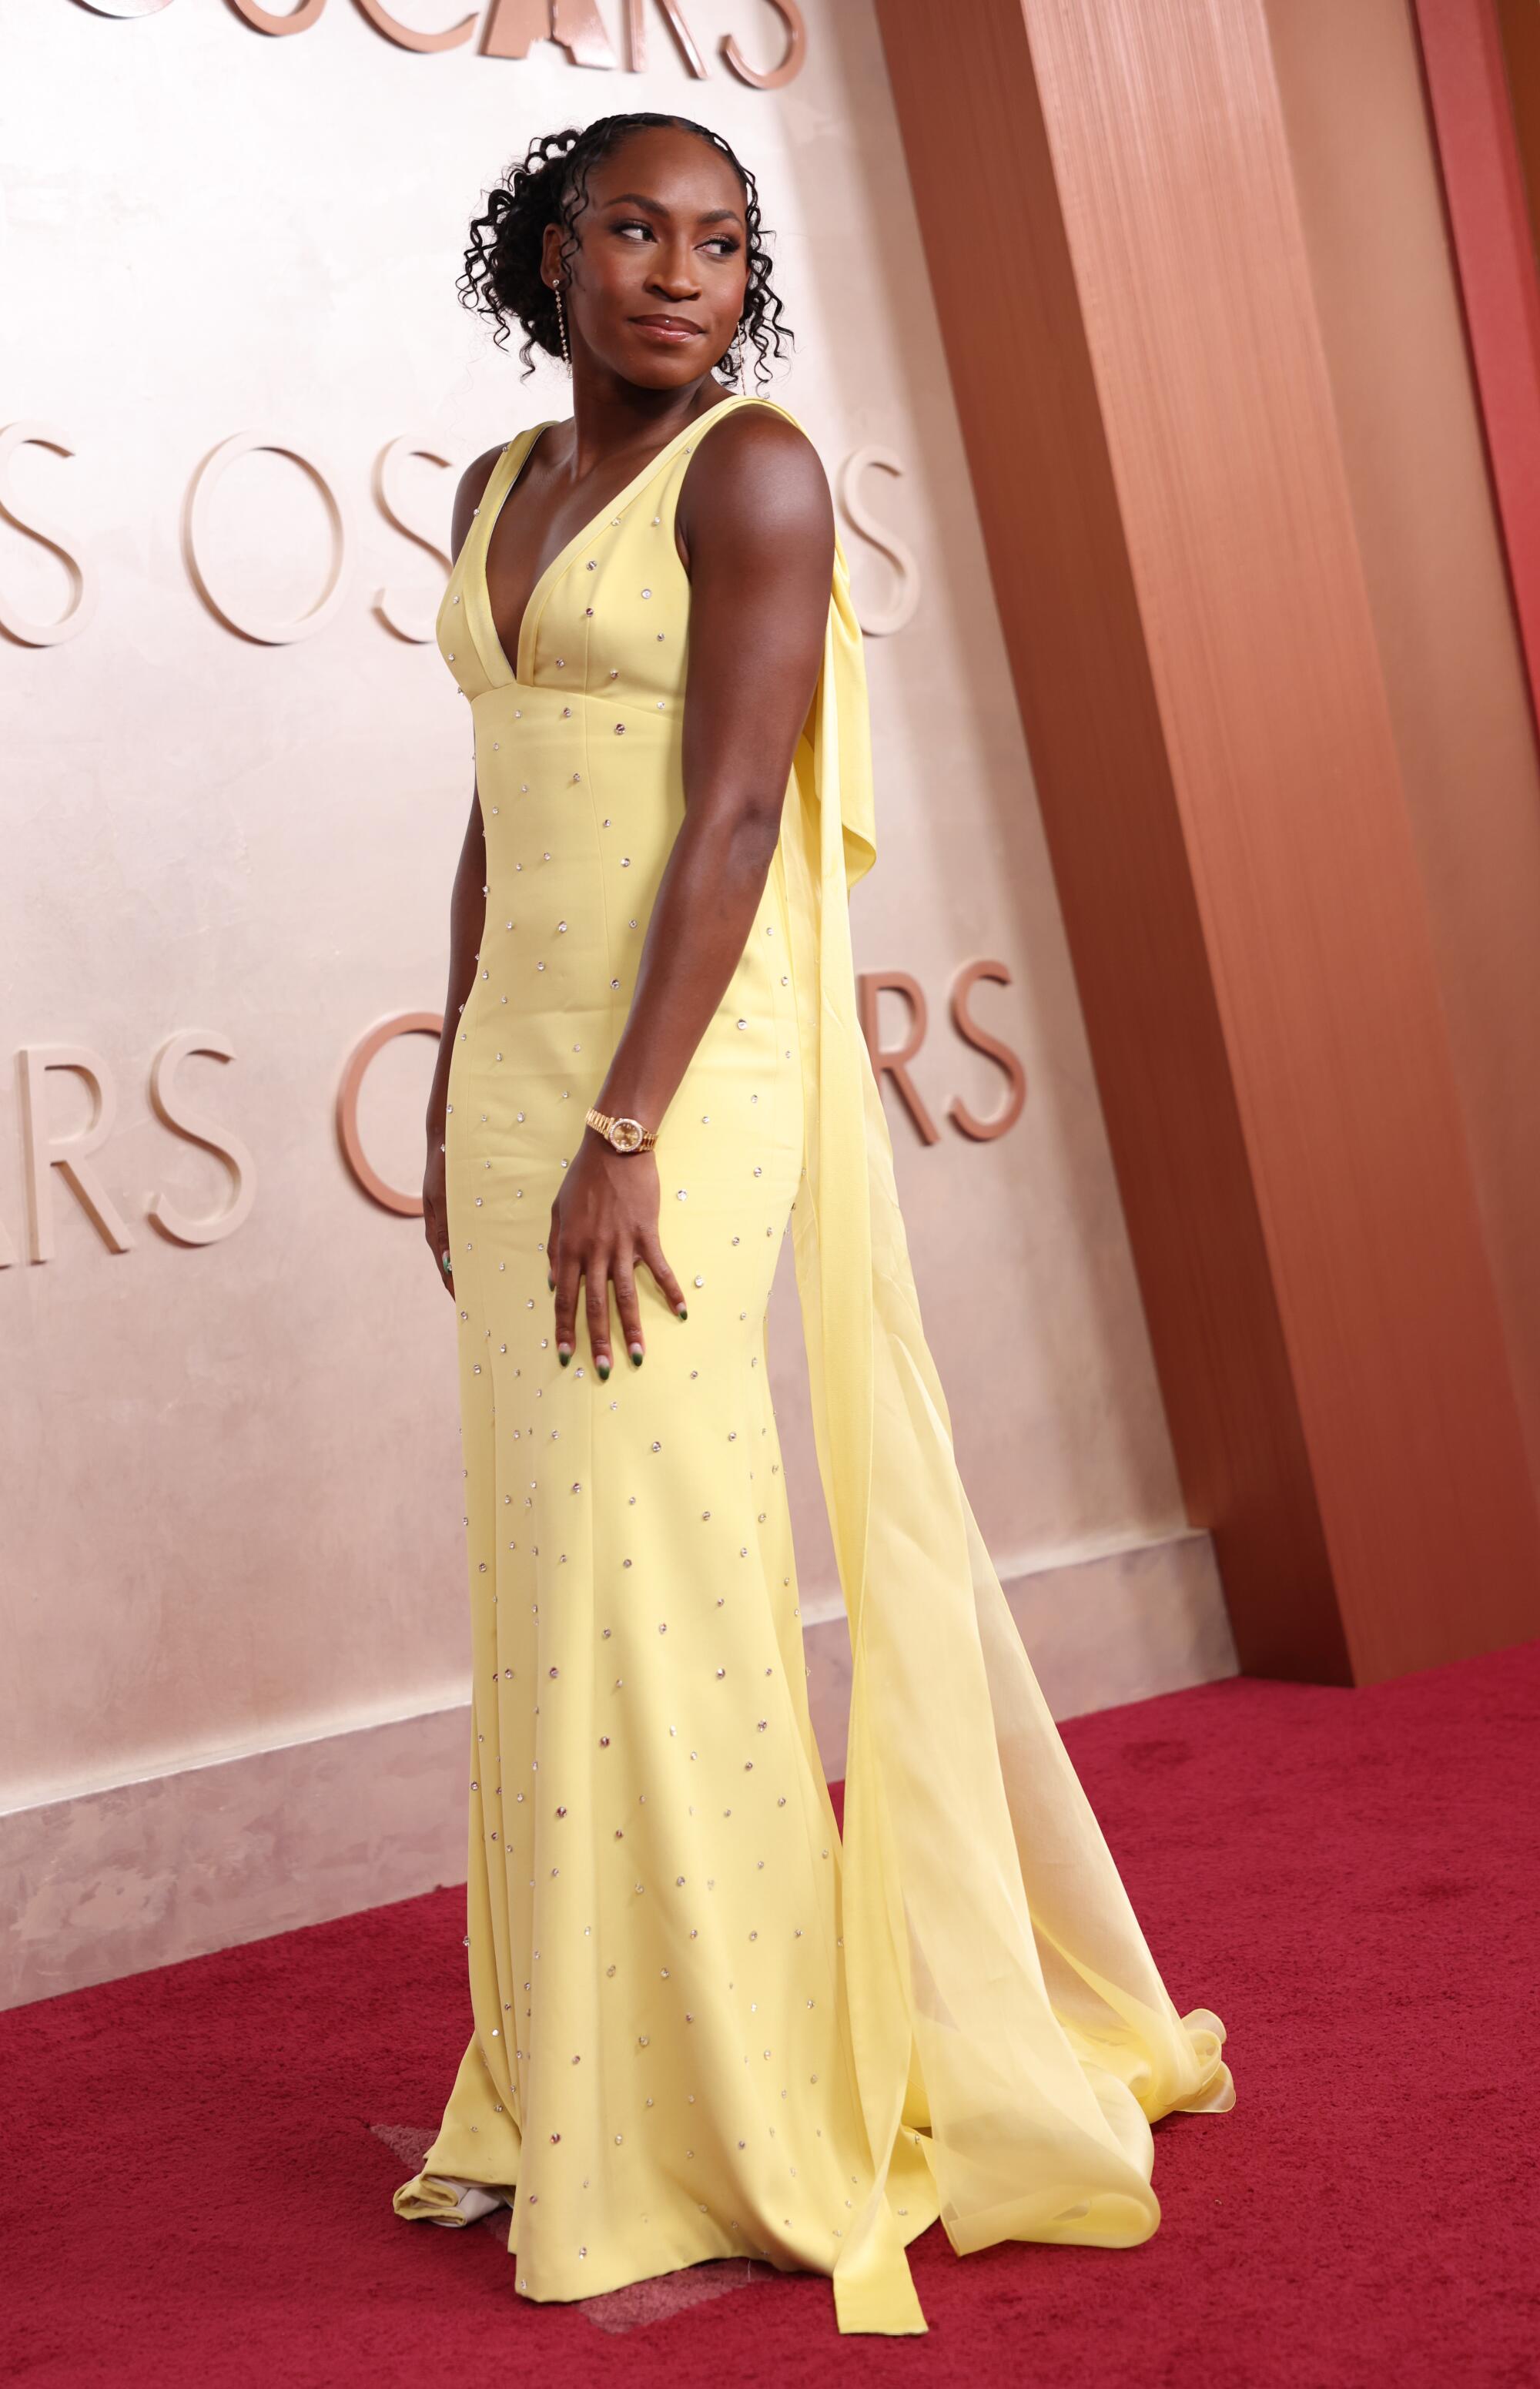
640	200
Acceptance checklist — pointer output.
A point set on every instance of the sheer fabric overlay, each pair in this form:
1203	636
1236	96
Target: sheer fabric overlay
1005	2013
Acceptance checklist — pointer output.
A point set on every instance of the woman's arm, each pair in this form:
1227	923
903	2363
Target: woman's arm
758	524
468	912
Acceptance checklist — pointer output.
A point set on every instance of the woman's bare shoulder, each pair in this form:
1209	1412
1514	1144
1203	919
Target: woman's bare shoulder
759	470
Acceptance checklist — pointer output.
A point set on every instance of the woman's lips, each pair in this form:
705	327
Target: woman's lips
666	329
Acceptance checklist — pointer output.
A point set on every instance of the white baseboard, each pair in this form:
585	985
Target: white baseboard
110	1883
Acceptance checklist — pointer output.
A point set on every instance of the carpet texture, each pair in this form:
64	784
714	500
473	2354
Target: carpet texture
202	2158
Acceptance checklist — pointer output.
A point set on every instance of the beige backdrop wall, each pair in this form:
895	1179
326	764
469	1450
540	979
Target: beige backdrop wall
235	1607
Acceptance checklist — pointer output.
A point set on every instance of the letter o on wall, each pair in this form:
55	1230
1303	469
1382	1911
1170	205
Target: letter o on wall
265	630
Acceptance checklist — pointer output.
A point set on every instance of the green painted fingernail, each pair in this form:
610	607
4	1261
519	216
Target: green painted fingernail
682	1312
636	1355
603	1367
563	1353
551	1283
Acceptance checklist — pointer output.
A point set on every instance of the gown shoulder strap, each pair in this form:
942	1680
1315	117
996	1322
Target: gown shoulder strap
506	466
735	402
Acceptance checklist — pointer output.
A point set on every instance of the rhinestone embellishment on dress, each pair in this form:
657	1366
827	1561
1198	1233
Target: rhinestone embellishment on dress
684	1436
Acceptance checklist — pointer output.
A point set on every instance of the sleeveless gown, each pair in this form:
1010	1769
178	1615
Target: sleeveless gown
704	2025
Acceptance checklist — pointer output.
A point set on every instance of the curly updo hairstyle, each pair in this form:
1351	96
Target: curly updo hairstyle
503	279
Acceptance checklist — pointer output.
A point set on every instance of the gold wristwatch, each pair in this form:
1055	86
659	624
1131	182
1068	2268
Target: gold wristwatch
625	1135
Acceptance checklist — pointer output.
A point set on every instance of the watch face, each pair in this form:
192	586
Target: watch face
625	1135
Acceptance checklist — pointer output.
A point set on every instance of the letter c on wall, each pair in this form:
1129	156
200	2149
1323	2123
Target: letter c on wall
398	1024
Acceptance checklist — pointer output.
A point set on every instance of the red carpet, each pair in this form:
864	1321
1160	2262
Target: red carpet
201	2160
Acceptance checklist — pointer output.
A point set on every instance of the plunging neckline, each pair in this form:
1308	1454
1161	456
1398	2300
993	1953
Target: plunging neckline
563	557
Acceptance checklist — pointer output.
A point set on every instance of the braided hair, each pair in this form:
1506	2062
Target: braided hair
503	278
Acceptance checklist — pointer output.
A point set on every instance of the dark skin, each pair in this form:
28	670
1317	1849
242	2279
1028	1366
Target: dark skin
664	234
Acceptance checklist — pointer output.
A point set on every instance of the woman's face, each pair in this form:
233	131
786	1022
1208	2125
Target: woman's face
658	281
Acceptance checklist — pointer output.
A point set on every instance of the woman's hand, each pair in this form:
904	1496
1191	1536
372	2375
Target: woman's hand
435	1209
603	1223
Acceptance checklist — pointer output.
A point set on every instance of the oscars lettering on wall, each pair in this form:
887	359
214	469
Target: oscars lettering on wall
508	28
226	606
45	1151
870	986
42	1151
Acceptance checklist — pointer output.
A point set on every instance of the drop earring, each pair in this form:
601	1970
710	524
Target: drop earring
561	325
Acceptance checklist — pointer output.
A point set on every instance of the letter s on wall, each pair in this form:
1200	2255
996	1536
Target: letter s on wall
18	626
184	1120
880	624
969	1030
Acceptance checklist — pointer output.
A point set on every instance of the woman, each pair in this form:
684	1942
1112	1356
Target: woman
703	2025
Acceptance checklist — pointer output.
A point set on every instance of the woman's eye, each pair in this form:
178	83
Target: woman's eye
723	243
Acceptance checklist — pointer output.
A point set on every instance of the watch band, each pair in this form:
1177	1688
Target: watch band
625	1135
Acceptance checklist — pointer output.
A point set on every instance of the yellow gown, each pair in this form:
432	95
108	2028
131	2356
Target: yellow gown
703	2025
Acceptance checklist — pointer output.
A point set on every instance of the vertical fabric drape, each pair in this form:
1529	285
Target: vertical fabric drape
1005	2013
